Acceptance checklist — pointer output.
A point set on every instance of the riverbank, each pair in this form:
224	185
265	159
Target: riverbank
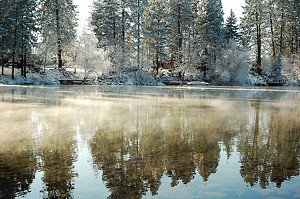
129	77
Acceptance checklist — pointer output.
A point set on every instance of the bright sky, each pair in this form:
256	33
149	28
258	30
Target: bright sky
84	7
235	5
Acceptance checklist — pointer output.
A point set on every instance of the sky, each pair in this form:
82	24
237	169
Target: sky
84	7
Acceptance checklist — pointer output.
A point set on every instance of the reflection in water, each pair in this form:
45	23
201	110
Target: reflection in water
58	178
139	136
178	140
269	153
17	170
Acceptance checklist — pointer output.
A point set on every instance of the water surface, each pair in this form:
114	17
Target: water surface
149	142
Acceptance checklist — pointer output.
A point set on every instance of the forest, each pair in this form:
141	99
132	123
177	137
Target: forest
149	41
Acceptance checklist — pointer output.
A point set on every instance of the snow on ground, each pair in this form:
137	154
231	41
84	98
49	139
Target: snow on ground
47	77
52	76
137	77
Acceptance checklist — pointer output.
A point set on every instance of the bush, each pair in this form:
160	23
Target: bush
233	66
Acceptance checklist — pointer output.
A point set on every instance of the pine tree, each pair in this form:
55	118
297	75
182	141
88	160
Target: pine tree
3	31
105	22
111	23
181	19
231	28
27	30
156	31
287	27
211	32
58	22
19	23
253	23
137	9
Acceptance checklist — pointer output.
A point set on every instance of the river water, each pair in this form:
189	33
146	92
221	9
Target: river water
149	142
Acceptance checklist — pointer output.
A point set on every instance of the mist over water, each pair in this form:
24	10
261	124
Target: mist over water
135	142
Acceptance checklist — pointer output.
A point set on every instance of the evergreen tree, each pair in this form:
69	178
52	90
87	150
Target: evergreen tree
157	31
58	22
105	22
18	28
231	28
111	22
181	18
272	21
287	27
211	31
27	30
137	9
3	31
253	23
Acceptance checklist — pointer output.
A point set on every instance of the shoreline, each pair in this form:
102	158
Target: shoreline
142	78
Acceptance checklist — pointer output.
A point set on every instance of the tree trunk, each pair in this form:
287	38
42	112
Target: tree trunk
123	29
14	53
2	56
2	63
15	44
22	58
179	47
24	70
123	36
258	43
157	62
13	65
114	33
138	36
281	34
59	49
272	35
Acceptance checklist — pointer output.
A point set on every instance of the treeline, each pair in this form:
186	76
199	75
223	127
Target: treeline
175	34
42	27
192	33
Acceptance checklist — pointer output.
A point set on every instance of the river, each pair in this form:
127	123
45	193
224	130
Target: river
149	142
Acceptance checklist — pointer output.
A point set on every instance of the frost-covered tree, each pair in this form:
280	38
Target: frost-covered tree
231	27
137	9
89	57
180	19
105	22
233	66
254	23
111	22
4	5
286	26
18	25
156	32
28	30
211	31
58	20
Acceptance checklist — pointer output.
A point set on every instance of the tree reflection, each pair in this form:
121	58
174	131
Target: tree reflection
178	142
268	152
18	166
57	163
141	140
134	162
